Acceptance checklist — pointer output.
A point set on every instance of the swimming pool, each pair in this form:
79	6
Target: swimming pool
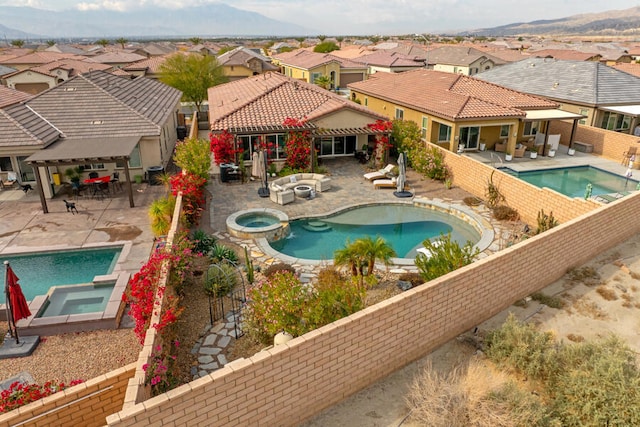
39	271
80	299
403	226
572	181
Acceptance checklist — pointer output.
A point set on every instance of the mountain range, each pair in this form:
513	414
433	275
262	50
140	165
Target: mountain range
211	20
219	20
614	22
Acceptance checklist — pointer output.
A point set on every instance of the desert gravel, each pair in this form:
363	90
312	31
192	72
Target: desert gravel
80	355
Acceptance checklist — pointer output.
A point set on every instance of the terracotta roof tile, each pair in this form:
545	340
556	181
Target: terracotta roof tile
40	58
10	96
565	54
449	95
268	99
390	59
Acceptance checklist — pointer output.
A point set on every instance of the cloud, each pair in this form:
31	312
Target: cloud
128	5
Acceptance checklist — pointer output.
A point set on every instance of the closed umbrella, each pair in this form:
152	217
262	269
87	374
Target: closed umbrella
16	302
263	191
402	177
255	165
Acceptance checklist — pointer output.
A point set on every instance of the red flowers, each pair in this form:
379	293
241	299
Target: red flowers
223	147
298	146
193	199
19	394
384	127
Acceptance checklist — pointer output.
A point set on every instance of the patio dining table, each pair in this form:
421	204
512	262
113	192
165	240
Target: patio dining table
98	185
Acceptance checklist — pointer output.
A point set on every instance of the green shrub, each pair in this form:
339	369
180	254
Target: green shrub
202	242
598	385
220	253
549	301
278	303
161	214
446	256
522	347
193	155
275	268
221	279
545	222
335	298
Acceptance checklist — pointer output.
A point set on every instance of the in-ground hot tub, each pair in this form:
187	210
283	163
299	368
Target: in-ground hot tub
260	222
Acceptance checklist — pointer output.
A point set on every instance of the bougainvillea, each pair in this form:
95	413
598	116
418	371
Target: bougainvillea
20	394
223	147
193	200
159	370
298	145
382	128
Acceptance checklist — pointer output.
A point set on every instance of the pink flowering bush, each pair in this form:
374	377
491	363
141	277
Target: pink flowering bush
382	143
298	145
158	372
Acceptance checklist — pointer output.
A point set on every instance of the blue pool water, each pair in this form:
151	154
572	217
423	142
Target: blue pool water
77	300
40	271
404	227
572	181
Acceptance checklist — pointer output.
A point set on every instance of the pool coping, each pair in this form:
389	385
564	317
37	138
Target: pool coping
107	319
484	228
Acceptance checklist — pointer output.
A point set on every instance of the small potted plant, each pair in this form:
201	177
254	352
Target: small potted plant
74	174
533	153
508	157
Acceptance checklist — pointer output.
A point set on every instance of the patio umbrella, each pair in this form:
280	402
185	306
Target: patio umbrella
263	191
402	177
255	165
16	302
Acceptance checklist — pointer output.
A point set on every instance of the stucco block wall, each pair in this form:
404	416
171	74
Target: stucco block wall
87	404
606	143
292	382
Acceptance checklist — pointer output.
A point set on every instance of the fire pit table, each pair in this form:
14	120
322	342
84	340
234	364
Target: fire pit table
302	191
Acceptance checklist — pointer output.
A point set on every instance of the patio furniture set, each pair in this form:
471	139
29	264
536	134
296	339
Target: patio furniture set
382	178
304	185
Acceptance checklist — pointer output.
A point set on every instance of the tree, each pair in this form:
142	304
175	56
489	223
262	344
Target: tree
322	38
195	40
445	255
325	47
192	74
340	39
323	81
103	42
363	253
17	43
225	49
122	41
51	43
300	40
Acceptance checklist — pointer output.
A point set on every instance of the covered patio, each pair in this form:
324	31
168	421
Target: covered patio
72	152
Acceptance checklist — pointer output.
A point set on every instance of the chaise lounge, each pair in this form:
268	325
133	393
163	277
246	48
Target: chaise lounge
385	183
379	174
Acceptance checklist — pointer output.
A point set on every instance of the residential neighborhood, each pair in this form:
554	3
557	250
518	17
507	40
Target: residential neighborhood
271	230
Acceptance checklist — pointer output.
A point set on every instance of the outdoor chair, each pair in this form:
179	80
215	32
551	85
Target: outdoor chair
115	182
519	150
379	174
12	179
385	183
93	175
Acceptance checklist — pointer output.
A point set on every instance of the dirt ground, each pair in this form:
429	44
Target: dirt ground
600	298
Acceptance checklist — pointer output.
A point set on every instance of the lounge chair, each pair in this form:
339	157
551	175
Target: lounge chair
12	179
385	183
379	174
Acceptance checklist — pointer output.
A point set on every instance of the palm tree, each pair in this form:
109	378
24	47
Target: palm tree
323	81
373	250
103	42
348	256
122	41
17	43
195	40
51	43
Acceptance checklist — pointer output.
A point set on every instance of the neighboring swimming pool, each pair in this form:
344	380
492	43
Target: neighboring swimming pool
403	226
39	271
572	181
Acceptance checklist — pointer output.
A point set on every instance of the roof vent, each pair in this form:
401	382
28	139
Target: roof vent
97	122
69	89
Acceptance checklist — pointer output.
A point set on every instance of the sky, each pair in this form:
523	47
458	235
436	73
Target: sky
384	17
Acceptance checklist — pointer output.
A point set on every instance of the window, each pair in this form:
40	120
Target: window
444	133
5	164
366	101
399	114
616	122
314	76
134	159
584	112
276	144
504	131
425	120
337	145
93	166
531	128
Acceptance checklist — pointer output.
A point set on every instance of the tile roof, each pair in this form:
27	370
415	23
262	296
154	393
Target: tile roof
268	99
21	126
584	82
449	95
302	58
10	96
152	65
40	58
117	57
73	66
459	55
99	103
565	54
632	68
241	56
385	58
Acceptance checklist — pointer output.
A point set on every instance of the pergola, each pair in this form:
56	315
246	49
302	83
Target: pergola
548	115
68	152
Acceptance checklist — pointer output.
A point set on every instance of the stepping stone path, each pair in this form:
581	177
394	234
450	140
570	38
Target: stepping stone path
210	347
